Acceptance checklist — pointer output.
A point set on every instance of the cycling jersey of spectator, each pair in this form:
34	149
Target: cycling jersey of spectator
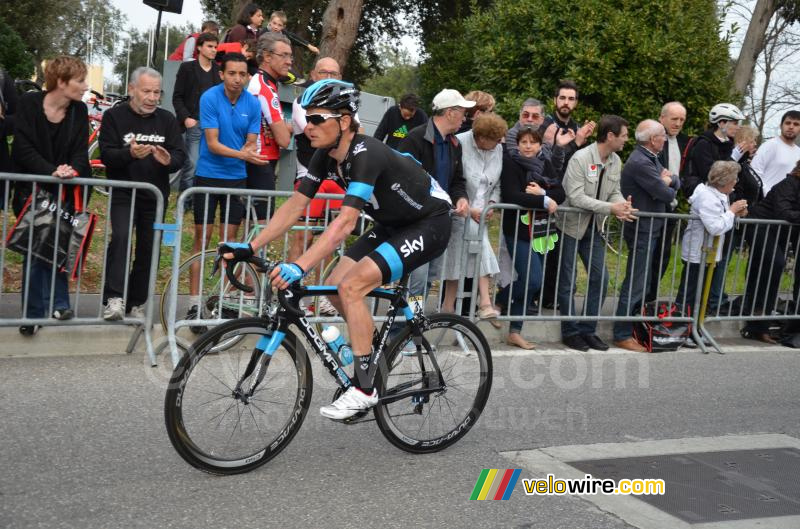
139	142
591	183
482	158
710	203
230	118
191	82
526	180
778	156
188	50
484	102
274	58
50	139
398	120
652	188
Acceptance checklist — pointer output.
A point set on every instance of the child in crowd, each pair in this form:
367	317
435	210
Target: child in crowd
277	24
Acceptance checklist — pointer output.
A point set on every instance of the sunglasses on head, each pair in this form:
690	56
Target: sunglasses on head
319	119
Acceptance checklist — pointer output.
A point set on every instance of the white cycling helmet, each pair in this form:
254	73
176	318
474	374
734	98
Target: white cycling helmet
725	112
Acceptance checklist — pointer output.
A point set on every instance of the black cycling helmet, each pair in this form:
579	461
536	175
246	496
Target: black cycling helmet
331	93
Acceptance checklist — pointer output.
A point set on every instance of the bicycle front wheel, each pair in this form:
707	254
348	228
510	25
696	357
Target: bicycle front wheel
212	421
423	421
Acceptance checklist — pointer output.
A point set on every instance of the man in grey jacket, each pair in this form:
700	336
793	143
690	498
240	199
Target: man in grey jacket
653	188
591	183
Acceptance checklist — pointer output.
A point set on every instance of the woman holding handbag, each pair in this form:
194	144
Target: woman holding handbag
51	139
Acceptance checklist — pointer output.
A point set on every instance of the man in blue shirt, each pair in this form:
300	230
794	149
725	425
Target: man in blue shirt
230	118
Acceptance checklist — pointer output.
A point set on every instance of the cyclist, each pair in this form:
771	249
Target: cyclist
410	209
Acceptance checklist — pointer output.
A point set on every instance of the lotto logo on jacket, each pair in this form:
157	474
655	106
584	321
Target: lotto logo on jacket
143	138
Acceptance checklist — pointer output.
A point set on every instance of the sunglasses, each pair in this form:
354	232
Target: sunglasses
319	119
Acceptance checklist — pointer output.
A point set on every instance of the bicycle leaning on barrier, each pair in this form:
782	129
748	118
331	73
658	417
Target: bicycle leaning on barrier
241	393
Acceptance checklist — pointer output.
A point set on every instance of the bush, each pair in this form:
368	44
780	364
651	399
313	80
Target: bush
627	56
14	56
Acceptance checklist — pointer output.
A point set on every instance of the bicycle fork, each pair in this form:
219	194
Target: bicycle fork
257	366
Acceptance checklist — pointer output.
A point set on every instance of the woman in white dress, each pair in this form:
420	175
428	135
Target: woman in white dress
482	159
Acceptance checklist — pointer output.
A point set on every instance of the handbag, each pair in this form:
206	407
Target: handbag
46	227
660	335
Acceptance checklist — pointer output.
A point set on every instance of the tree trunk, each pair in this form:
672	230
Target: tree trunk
753	43
339	29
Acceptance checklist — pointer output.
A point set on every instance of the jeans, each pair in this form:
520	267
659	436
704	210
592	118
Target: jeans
419	282
592	251
688	286
662	253
39	289
191	142
528	266
637	270
144	215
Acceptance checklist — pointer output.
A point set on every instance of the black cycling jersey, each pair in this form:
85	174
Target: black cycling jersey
391	187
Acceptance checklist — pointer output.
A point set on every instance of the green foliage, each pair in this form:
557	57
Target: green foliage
399	75
627	56
14	57
53	27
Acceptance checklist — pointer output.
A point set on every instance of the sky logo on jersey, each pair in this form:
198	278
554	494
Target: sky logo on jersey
412	246
495	484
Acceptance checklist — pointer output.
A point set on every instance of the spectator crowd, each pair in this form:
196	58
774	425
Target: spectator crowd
229	129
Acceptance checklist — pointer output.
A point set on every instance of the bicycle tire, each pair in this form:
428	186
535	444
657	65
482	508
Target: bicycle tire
394	419
211	289
199	403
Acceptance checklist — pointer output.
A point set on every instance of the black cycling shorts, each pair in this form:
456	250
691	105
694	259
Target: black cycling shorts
236	213
398	251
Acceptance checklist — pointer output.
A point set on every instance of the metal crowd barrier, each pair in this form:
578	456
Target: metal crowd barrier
759	276
86	312
605	239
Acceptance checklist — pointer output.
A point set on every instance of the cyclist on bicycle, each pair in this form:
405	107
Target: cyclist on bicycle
410	209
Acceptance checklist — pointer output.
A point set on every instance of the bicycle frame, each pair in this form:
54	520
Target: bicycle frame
289	312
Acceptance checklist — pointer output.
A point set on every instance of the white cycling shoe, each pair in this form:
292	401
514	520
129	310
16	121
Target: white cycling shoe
351	402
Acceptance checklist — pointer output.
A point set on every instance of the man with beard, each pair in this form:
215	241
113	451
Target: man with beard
565	101
777	157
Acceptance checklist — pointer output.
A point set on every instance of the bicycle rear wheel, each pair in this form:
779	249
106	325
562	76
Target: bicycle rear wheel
209	423
431	421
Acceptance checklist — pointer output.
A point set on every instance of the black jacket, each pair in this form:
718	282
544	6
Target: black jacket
9	101
420	144
120	125
186	94
396	128
781	203
704	151
35	152
513	180
570	148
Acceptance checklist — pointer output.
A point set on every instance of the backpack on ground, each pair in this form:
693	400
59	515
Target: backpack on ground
659	335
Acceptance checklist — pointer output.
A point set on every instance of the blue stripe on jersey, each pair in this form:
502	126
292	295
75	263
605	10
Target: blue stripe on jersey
360	190
407	155
392	258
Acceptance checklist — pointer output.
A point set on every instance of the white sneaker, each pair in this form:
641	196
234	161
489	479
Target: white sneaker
326	307
115	309
137	312
351	402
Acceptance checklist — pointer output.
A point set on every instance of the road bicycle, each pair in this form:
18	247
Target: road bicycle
231	411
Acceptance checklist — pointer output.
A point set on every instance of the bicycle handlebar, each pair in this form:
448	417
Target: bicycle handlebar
263	266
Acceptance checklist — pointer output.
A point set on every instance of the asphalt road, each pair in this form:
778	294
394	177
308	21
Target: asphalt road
83	445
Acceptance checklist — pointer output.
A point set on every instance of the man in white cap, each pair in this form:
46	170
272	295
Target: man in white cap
435	146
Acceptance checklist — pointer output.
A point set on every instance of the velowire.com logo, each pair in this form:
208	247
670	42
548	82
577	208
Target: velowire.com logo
495	484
